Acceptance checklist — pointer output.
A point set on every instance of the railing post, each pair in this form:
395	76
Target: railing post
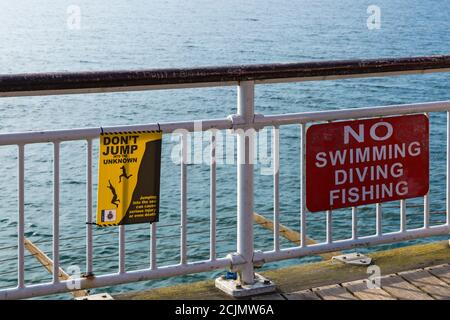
245	147
243	261
21	224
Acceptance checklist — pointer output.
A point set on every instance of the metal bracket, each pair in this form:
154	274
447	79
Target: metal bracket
237	290
235	260
258	259
258	126
238	122
357	259
100	296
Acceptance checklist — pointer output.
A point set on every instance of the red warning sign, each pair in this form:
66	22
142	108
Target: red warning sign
351	163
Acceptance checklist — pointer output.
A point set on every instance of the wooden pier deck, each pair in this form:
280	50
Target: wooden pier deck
419	272
432	283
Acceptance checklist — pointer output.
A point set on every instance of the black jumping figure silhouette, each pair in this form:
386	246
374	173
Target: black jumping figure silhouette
124	174
115	200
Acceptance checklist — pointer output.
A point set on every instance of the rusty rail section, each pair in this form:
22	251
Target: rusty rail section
110	81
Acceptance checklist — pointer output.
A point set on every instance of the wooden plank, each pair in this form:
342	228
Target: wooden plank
47	263
361	290
442	272
273	296
290	234
401	289
301	295
333	292
428	283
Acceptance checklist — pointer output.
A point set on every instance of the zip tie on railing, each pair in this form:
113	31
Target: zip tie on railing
101	130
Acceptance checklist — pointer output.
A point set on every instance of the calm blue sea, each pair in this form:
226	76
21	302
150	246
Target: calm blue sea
35	37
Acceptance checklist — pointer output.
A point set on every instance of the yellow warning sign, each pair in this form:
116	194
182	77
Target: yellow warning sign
129	178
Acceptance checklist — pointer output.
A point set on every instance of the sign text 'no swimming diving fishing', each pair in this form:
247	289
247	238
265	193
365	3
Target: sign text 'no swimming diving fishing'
352	163
129	178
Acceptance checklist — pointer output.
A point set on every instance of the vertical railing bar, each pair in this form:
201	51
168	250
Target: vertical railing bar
354	223
402	215
426	203
89	237
329	226
153	264
122	249
276	187
245	180
379	219
426	211
21	224
183	236
212	199
448	170
56	150
303	185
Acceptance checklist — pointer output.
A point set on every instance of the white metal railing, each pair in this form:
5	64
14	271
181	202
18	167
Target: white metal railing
379	238
246	257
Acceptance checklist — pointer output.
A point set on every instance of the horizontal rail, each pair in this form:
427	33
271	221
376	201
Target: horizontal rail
366	241
114	279
93	133
222	124
354	113
133	80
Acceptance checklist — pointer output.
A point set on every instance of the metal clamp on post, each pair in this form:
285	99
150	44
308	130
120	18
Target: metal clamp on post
237	288
258	121
237	121
235	260
258	259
